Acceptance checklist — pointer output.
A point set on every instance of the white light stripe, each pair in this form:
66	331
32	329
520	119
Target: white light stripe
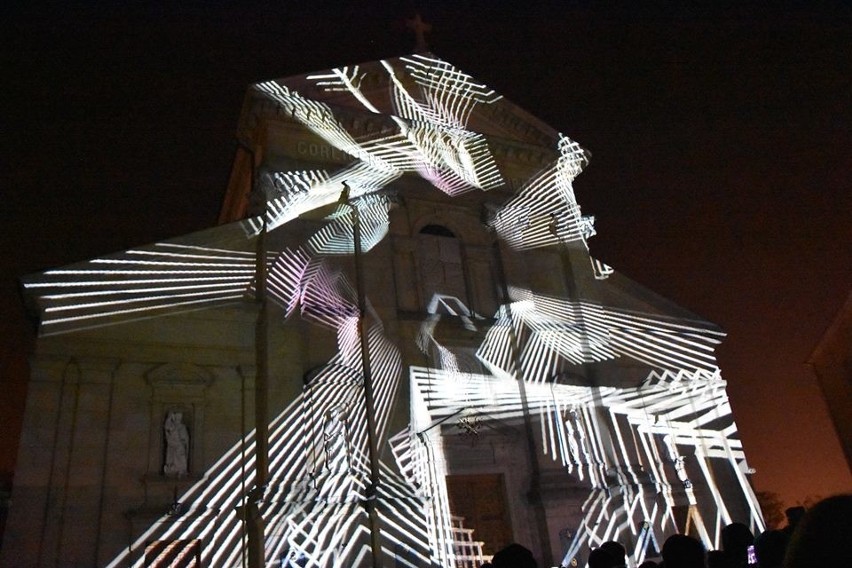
218	293
66	296
138	310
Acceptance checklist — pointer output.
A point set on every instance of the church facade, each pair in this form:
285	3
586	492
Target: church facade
394	350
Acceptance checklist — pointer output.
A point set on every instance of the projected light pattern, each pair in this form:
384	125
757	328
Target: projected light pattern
629	446
556	332
291	194
313	505
655	429
643	449
430	139
336	237
138	283
430	135
545	211
602	271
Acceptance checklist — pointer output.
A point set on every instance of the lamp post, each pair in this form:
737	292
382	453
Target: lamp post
369	397
534	494
252	512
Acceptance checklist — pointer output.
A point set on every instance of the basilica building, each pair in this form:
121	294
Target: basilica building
394	350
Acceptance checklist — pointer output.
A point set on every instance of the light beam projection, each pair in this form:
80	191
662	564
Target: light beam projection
286	196
336	238
601	270
159	279
431	135
431	140
314	502
646	453
545	211
556	332
664	443
678	415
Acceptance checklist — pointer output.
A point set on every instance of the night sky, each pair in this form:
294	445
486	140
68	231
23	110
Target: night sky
720	171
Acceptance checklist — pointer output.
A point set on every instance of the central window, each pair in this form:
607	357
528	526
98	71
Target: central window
441	266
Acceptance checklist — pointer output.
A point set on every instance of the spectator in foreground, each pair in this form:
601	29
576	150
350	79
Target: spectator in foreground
617	551
681	551
600	558
794	517
514	556
736	538
769	547
822	537
718	559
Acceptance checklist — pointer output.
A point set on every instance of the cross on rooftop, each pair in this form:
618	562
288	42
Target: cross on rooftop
420	29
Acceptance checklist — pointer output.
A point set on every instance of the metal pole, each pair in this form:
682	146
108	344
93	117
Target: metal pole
261	406
534	494
369	401
253	515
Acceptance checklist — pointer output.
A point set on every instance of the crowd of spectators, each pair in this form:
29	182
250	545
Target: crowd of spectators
819	537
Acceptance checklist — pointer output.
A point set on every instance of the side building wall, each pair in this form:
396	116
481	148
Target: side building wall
832	364
90	477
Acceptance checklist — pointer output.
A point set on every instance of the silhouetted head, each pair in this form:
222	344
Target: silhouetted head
718	559
770	547
514	556
600	558
794	517
794	514
736	538
617	551
822	537
681	551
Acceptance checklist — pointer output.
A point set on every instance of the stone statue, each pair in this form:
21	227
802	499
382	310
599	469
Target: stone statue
177	445
335	443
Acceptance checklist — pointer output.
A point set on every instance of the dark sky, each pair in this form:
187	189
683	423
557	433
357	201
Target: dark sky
720	172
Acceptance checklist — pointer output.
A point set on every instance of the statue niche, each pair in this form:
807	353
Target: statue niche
176	446
176	424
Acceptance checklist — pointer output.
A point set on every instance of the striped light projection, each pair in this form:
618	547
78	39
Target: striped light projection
288	195
545	211
556	332
430	134
633	448
314	504
641	452
160	279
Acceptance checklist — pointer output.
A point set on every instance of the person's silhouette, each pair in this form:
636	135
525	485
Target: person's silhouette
822	537
682	551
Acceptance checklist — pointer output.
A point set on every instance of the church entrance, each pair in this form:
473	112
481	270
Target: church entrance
481	500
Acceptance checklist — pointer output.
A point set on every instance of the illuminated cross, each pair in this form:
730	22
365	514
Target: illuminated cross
420	28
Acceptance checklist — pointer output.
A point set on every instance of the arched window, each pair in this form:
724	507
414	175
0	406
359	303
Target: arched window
437	230
441	268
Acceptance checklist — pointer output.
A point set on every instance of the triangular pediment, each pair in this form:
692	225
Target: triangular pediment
399	116
372	88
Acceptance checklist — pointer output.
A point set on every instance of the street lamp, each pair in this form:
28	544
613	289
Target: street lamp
369	397
252	512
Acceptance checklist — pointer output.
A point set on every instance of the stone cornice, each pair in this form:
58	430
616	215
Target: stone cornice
183	375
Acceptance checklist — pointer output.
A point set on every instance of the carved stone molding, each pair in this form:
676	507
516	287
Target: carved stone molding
185	378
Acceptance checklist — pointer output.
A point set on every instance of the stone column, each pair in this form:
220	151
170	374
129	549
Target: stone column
31	511
87	464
